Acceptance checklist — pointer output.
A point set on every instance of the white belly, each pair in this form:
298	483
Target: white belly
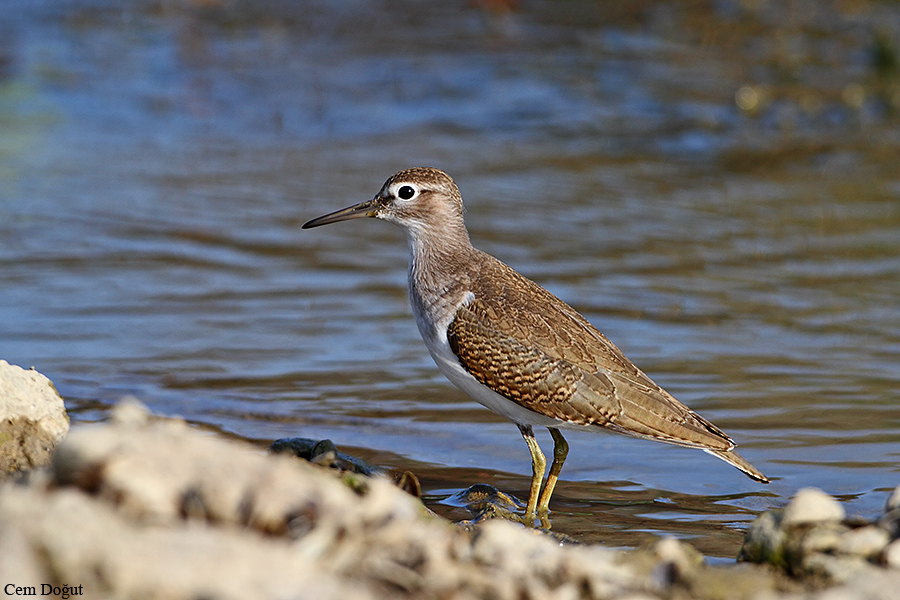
435	336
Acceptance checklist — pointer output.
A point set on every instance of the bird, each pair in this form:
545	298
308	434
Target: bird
516	348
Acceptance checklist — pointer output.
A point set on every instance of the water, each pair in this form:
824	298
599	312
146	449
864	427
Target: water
157	160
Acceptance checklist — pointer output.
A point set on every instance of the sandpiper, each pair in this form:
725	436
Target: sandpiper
515	347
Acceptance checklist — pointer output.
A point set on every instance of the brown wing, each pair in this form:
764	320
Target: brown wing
529	346
527	375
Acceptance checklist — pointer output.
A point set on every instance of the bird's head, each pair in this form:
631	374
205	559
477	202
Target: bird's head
420	199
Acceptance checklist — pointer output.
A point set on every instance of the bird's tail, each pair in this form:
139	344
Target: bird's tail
736	460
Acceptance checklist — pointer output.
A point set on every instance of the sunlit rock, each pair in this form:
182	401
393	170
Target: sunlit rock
813	538
811	505
33	419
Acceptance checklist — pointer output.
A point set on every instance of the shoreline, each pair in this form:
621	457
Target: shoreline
145	506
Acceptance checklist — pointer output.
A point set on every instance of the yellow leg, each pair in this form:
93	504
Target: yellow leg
560	451
538	465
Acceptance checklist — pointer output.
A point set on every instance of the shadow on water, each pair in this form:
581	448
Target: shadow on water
713	185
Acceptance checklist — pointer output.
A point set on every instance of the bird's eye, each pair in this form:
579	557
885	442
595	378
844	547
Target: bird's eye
406	192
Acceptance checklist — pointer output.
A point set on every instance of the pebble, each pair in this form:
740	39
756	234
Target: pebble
891	555
812	505
867	542
764	541
836	569
135	499
813	537
826	538
677	561
893	501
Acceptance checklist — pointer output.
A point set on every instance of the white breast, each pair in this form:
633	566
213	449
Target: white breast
434	333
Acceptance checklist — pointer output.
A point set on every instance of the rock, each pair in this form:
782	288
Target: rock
33	419
143	469
823	538
741	581
890	556
890	522
812	538
486	502
325	454
835	569
866	542
21	562
764	541
536	566
869	584
111	555
677	562
143	507
811	505
321	452
805	546
130	411
893	501
408	482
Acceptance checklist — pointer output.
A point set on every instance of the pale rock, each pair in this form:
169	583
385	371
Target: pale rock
20	562
130	411
824	538
110	555
867	584
867	542
147	474
811	505
890	522
764	541
837	569
893	501
144	507
33	419
891	555
677	561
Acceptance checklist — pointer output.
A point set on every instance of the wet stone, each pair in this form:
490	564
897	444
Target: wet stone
764	542
408	482
893	501
475	497
321	452
486	502
325	454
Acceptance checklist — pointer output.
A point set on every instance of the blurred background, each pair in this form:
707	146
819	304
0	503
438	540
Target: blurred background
715	185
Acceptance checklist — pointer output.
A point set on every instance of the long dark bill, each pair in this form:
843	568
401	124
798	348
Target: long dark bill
357	211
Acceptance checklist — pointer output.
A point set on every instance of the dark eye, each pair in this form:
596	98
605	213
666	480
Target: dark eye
406	192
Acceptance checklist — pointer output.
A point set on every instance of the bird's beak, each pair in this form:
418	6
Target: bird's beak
357	211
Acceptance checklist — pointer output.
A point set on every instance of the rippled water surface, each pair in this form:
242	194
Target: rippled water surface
715	187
